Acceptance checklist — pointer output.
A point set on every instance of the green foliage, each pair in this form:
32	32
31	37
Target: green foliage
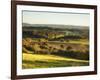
55	33
73	54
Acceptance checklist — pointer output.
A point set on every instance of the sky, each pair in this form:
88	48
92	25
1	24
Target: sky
33	17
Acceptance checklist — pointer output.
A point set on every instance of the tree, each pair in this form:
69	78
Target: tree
69	48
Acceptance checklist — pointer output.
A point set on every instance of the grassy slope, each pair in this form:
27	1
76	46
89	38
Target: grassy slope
47	61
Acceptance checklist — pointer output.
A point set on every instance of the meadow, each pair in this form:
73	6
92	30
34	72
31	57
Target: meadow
50	61
47	47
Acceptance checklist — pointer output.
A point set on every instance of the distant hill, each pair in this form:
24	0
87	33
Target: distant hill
54	26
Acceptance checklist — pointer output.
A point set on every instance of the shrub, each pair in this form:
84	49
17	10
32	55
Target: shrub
62	46
69	48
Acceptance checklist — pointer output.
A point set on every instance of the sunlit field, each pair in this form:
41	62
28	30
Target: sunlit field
48	61
81	41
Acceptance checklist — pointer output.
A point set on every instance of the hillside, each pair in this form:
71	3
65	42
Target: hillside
55	26
49	61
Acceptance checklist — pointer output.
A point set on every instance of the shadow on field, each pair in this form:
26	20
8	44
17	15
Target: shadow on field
73	54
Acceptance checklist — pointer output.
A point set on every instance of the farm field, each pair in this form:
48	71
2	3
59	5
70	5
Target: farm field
48	61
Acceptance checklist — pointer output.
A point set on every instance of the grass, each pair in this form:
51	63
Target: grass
31	61
81	41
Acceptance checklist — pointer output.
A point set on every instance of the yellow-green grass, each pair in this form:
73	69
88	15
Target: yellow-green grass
81	41
31	61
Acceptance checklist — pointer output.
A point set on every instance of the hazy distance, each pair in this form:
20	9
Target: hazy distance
76	19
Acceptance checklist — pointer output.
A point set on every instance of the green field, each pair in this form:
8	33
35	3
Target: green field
49	46
31	61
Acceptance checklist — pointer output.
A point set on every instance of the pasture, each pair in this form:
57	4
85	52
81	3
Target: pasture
48	47
31	61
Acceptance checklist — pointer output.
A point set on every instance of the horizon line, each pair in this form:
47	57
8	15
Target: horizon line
56	24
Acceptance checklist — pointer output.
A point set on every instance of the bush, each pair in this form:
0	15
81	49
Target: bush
69	48
28	48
